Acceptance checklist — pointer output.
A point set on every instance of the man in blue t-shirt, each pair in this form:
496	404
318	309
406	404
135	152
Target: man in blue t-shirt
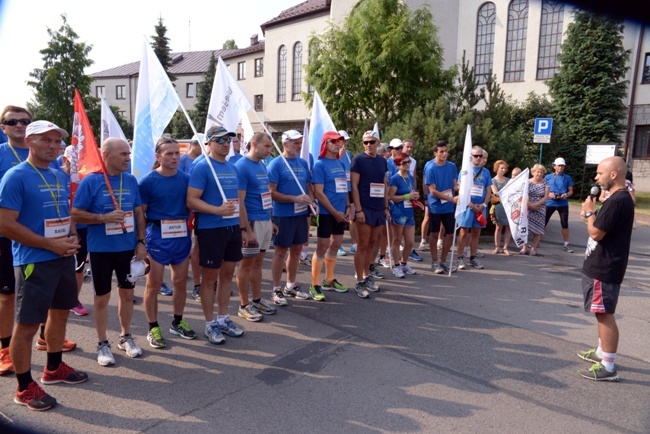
195	151
34	214
236	148
218	231
254	193
116	233
480	194
346	159
440	184
561	189
291	202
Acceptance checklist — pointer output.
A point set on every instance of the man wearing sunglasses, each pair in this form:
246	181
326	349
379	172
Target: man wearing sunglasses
368	177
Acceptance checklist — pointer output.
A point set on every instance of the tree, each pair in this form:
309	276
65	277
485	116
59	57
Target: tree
160	46
64	62
383	62
466	93
203	95
229	45
588	89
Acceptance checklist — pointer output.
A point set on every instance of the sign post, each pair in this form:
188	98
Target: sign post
542	133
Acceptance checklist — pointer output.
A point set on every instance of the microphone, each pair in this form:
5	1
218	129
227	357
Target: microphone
594	193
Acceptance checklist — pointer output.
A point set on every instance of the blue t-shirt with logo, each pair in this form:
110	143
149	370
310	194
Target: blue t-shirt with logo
185	163
280	175
196	161
93	196
326	172
392	168
443	177
23	189
201	178
8	158
165	196
404	186
481	179
254	180
558	184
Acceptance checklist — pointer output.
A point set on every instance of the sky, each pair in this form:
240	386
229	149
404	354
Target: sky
115	30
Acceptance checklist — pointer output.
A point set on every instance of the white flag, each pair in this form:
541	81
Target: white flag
375	129
514	197
110	126
466	175
304	151
228	102
247	135
155	105
320	123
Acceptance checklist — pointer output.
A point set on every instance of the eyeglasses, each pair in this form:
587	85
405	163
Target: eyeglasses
477	156
369	142
221	140
405	162
14	122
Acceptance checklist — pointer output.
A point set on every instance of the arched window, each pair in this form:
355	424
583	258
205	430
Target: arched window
282	73
485	24
516	40
550	38
312	52
296	79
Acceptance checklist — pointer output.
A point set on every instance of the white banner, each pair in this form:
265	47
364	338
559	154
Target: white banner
320	123
228	102
514	197
466	173
110	126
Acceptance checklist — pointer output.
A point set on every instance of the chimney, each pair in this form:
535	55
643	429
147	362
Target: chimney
254	39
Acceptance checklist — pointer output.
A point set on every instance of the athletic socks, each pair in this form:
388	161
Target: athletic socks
330	265
316	268
609	360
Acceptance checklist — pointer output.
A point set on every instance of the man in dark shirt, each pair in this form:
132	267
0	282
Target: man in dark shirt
608	248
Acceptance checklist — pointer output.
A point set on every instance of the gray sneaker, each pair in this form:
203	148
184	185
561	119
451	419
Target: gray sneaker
127	344
374	273
264	307
437	269
408	270
361	290
249	313
590	356
295	292
230	329
104	354
445	269
474	263
597	372
370	285
213	334
278	298
196	293
461	262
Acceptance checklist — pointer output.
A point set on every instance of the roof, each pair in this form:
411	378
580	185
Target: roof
185	62
300	11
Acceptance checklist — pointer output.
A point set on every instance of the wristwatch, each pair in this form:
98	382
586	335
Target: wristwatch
143	242
588	214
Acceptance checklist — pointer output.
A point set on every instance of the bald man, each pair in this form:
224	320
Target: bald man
608	248
115	236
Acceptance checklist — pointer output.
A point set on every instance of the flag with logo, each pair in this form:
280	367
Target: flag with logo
155	105
466	173
109	125
320	123
228	102
514	197
83	153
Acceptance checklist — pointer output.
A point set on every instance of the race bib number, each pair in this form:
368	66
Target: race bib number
377	190
236	214
477	190
267	203
408	204
347	175
446	193
341	185
299	207
116	228
57	228
173	228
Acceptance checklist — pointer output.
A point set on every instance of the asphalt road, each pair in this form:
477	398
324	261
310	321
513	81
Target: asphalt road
490	350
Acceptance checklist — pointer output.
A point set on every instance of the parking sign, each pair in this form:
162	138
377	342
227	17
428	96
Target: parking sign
543	129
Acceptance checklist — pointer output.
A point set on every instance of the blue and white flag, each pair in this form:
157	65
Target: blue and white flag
109	125
466	175
304	151
320	123
228	102
155	105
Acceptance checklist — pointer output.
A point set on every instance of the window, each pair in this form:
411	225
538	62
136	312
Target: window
100	90
190	91
259	67
550	38
122	113
259	103
282	74
241	70
485	24
645	78
119	92
642	141
297	73
516	40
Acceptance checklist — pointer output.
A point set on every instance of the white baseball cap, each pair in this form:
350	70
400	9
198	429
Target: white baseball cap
344	134
42	127
291	135
138	269
396	143
559	162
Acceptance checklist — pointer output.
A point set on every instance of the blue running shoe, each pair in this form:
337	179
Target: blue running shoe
165	290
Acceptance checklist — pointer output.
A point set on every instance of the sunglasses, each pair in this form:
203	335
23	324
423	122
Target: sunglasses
335	141
405	162
14	122
369	142
477	156
221	140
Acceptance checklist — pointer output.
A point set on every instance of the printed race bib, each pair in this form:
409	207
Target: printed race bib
116	228
236	214
173	228
347	175
477	190
408	204
377	190
267	203
341	185
299	207
57	228
447	193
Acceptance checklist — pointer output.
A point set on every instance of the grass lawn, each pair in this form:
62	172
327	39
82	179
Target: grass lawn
642	203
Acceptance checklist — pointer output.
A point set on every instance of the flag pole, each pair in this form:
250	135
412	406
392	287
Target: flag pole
295	178
453	247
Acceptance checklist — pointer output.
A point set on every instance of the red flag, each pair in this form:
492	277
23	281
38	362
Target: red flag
84	154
